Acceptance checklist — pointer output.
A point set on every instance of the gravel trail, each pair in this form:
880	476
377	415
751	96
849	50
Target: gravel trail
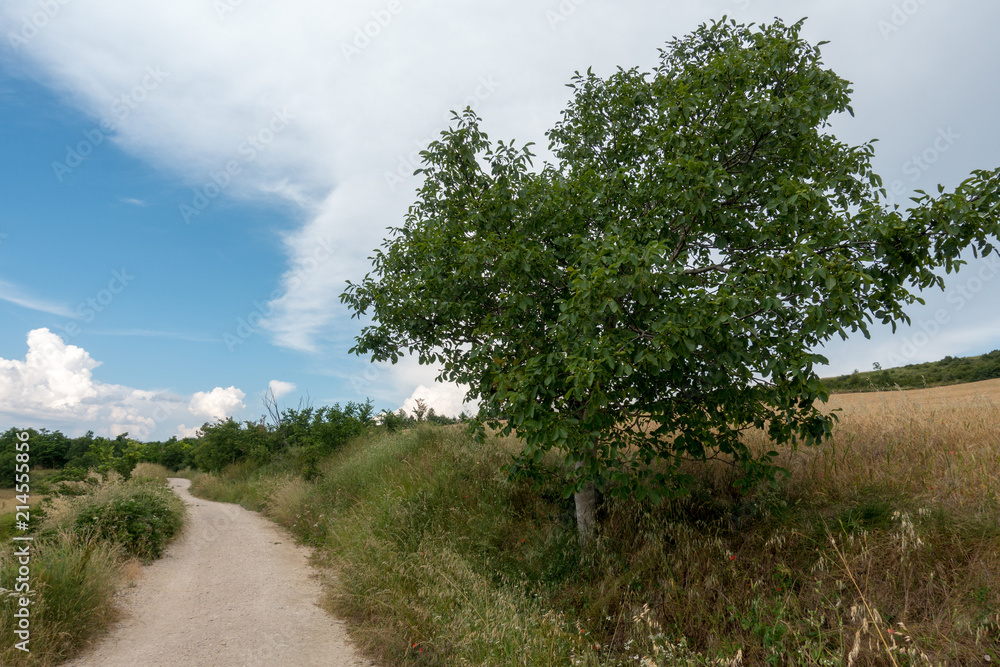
232	590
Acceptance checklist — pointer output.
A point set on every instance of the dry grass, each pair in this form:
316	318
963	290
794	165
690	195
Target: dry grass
882	547
146	470
939	445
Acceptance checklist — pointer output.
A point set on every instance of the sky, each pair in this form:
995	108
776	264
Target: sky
185	187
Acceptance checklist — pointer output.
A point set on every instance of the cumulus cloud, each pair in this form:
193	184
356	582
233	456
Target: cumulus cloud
218	403
54	387
183	431
279	388
445	399
52	374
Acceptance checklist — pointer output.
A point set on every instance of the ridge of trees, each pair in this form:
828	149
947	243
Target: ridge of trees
947	371
305	433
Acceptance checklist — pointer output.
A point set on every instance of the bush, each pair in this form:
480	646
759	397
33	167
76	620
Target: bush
142	516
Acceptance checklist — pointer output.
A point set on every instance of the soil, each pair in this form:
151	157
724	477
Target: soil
234	589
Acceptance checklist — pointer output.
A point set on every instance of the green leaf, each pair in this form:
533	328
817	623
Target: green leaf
698	228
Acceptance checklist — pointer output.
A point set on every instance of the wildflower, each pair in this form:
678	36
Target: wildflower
733	557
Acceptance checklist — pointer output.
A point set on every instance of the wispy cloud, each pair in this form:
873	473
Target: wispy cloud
17	296
134	202
149	333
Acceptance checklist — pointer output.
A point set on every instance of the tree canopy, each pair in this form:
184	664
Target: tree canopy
663	286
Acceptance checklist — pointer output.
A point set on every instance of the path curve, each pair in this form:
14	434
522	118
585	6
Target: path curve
234	589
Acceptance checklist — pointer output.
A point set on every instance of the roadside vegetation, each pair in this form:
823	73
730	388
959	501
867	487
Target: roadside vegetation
306	434
950	370
881	547
88	538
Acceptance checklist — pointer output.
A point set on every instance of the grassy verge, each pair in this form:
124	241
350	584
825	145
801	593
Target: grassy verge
82	553
883	547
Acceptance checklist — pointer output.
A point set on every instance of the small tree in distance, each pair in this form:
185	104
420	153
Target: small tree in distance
420	410
662	287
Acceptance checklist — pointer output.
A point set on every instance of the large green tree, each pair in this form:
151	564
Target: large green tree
663	286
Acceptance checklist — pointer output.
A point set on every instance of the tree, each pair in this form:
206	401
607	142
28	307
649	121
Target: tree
661	288
420	410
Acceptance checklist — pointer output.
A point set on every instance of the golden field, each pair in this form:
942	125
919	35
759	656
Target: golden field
941	443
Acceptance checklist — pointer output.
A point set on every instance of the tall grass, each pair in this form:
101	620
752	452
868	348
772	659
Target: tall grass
74	581
81	555
882	547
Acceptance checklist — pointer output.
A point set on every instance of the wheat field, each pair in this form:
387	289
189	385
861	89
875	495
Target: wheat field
943	443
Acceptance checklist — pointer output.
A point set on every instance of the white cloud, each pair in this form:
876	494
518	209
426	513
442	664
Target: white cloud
54	387
445	399
18	296
183	431
218	403
359	117
220	76
52	374
280	388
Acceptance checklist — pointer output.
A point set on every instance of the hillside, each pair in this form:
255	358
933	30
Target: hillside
950	370
880	547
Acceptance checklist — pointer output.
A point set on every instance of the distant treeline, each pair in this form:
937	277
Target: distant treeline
305	435
950	370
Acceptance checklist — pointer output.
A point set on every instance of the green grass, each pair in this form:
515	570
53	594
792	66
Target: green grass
441	560
79	558
74	581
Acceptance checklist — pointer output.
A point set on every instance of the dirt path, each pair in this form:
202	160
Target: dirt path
233	590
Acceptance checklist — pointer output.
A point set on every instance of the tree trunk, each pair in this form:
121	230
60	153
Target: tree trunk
585	521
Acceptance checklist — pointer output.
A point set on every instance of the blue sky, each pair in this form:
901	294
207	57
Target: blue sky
184	189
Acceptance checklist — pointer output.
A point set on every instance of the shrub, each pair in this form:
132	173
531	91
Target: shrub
141	516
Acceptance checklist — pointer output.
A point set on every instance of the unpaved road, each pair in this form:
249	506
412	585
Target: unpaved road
232	590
